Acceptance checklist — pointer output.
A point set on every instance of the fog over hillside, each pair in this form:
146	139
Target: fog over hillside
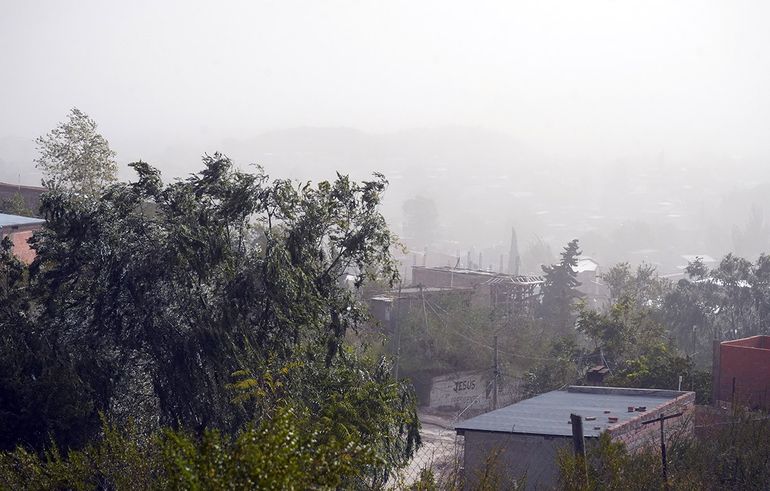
638	127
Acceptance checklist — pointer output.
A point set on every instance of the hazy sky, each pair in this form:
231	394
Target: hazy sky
576	77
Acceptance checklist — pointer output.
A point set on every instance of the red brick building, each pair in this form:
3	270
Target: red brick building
742	372
19	229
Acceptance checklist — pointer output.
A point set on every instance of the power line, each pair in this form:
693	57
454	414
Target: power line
480	343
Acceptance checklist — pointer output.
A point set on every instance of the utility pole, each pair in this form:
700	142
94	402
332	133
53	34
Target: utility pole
398	332
660	419
496	375
579	443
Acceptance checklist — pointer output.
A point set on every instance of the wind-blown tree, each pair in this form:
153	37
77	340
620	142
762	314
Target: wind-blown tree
172	301
76	157
726	302
40	393
643	286
559	289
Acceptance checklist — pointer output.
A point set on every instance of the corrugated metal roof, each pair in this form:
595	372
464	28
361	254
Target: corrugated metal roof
548	414
519	280
10	220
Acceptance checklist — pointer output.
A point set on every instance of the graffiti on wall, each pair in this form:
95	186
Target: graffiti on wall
462	389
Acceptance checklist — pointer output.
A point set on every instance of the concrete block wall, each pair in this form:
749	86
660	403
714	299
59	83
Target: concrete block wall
636	435
508	457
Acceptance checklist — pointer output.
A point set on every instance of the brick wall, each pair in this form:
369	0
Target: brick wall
19	236
21	248
637	435
748	362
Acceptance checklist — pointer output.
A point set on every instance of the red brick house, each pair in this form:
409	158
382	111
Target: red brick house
19	229
742	372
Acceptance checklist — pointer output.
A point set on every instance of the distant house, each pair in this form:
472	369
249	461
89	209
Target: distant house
595	375
741	371
524	438
19	229
498	290
595	292
391	307
30	194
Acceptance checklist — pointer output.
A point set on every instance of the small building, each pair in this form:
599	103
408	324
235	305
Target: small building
29	194
595	292
741	372
523	439
595	375
508	294
449	277
391	307
19	229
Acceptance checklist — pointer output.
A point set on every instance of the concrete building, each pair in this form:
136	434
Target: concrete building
391	307
497	290
741	372
595	292
523	439
19	229
448	277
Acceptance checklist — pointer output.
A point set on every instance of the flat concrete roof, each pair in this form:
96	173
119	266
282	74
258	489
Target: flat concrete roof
549	413
11	220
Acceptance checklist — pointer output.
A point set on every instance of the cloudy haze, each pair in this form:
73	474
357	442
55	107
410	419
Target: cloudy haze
607	77
479	106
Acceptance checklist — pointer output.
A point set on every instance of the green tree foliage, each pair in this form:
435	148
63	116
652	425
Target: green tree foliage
437	332
643	286
563	366
609	466
41	393
154	295
289	451
76	157
729	301
729	455
660	367
559	289
15	205
630	337
624	331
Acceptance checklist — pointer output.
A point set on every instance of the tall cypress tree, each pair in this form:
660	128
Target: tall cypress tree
514	261
559	289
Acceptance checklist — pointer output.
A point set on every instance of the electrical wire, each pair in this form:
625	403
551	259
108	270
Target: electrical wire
433	308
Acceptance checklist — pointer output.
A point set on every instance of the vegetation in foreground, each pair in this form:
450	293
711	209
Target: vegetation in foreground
212	314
